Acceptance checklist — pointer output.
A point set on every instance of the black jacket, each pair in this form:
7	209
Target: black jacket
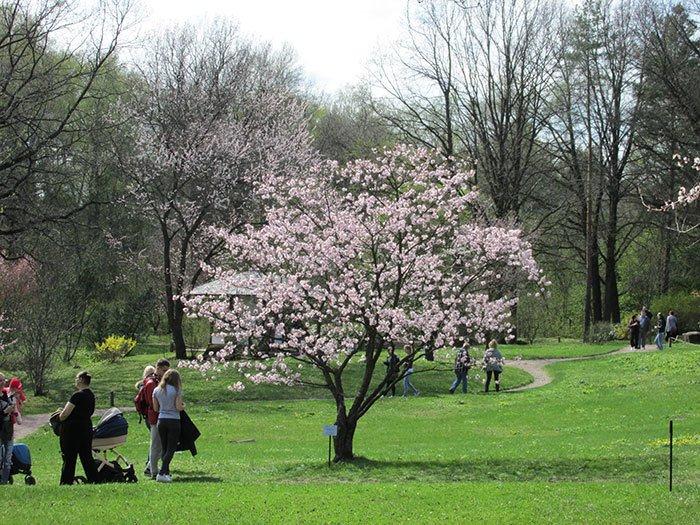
188	434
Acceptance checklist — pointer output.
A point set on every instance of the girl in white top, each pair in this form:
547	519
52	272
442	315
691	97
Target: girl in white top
167	401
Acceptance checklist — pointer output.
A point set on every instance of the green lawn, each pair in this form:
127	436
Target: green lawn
550	348
588	448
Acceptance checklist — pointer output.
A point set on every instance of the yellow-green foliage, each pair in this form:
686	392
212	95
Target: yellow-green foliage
114	347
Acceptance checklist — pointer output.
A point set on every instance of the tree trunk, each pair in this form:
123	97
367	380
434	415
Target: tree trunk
666	241
178	335
611	310
342	443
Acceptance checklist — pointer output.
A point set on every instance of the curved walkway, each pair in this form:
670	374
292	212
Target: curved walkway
536	367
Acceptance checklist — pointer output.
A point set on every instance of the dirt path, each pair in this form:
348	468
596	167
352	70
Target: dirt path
536	367
34	422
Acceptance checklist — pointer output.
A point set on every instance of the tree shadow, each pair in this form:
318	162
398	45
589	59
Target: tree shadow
637	468
195	476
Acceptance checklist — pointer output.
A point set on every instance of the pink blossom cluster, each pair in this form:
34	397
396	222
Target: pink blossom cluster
686	196
387	252
4	331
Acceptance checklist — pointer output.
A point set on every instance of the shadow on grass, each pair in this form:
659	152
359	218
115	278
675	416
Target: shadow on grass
631	468
195	476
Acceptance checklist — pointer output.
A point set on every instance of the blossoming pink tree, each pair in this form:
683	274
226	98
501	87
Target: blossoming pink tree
383	253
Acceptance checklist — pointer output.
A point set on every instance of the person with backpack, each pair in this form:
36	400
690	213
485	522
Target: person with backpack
76	431
461	369
493	364
392	370
141	404
167	401
149	386
9	417
660	331
671	328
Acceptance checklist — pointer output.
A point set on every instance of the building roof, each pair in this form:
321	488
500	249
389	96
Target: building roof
235	284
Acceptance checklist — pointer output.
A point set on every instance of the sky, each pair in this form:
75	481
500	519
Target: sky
334	39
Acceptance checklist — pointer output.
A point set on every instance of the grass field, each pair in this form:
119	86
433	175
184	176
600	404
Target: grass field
588	448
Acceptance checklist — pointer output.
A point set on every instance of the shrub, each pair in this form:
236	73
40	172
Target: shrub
114	348
601	332
686	305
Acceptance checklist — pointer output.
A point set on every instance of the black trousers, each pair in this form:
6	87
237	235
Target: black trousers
169	432
392	388
495	374
77	441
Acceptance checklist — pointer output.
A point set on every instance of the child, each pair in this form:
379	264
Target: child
10	402
407	381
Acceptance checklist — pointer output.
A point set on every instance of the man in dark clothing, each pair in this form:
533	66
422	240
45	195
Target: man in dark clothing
76	432
392	370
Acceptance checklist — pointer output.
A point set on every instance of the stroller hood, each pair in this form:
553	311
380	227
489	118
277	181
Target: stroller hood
20	454
112	424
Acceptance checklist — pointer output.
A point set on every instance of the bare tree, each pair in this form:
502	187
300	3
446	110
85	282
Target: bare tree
211	115
52	54
473	80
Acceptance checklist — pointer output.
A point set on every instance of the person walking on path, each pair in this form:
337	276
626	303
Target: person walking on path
633	327
392	371
462	364
644	325
156	448
493	364
167	401
671	328
660	331
9	417
76	431
407	385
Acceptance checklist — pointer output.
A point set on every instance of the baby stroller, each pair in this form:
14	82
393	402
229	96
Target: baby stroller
22	463
109	433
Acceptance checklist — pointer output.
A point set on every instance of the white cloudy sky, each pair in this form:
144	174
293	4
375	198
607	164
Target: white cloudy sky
334	39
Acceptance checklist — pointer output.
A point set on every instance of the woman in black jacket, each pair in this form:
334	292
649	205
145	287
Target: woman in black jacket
76	431
633	328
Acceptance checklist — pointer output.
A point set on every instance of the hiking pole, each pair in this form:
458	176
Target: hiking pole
670	455
111	398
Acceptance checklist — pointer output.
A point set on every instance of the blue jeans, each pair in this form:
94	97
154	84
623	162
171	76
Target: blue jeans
461	378
659	340
6	459
408	386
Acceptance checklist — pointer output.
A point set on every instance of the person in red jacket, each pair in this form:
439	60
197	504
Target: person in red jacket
150	384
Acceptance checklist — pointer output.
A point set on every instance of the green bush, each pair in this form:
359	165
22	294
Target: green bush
114	348
686	306
601	332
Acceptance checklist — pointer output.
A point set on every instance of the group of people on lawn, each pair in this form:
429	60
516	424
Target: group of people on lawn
162	391
492	363
639	327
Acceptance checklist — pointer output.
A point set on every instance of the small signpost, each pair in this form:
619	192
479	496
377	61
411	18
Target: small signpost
331	431
670	455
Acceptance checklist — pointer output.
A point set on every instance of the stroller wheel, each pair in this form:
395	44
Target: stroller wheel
80	480
29	480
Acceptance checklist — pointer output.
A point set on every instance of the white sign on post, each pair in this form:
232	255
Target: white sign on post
330	430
